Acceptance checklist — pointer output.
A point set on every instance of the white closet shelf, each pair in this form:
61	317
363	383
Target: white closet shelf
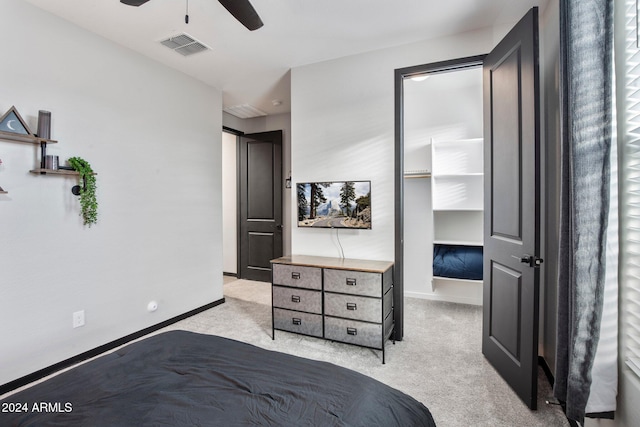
458	242
456	175
458	209
452	279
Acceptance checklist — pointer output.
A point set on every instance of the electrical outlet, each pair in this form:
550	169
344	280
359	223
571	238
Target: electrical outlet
78	319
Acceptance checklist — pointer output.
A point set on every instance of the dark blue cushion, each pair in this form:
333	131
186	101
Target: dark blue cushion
457	261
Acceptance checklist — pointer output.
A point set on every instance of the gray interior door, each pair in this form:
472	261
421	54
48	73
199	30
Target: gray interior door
512	208
260	204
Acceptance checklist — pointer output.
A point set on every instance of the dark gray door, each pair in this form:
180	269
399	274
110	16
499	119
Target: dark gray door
260	204
512	208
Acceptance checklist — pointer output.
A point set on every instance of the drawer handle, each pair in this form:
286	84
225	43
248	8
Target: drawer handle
296	321
295	275
295	298
352	331
352	306
351	282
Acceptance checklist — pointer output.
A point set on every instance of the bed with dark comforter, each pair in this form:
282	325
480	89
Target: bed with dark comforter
182	378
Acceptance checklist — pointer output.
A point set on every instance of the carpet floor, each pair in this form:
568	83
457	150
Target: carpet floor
439	362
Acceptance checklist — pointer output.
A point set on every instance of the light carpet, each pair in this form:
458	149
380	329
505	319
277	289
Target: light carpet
439	362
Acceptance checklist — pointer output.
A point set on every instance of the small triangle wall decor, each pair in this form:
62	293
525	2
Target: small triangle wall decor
11	122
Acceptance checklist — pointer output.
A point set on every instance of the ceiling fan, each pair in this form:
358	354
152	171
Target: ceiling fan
240	9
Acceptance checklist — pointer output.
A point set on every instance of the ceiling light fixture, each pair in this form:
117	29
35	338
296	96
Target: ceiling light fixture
420	78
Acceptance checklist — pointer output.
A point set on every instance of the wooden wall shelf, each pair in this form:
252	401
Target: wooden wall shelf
25	139
41	171
24	136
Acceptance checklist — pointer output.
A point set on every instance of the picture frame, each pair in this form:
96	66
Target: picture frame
12	124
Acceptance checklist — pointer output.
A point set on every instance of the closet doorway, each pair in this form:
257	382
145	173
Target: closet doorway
443	183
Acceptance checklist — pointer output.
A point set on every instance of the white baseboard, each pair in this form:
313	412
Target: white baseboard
446	298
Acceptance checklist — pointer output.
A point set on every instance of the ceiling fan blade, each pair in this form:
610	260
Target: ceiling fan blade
134	2
243	12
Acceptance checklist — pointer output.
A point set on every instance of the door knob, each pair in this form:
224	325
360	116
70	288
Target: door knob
532	260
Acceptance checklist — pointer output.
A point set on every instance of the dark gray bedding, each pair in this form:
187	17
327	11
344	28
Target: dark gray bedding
181	378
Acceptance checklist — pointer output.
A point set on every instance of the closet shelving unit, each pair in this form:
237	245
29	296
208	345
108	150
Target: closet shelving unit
457	194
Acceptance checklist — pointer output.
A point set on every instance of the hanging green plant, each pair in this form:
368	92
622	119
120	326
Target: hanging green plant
87	190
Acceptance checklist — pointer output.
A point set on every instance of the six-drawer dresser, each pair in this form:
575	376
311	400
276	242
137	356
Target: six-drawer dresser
338	299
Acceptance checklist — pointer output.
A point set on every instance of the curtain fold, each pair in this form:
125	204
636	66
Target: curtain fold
586	32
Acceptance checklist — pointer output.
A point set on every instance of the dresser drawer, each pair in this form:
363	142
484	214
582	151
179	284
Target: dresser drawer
353	307
356	307
297	299
295	321
298	276
353	282
353	332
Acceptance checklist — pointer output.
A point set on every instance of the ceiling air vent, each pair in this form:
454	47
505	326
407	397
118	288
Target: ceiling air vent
244	111
184	44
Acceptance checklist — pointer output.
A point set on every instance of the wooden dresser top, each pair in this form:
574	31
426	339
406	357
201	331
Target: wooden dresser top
335	263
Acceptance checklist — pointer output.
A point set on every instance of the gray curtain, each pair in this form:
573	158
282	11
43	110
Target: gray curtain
586	31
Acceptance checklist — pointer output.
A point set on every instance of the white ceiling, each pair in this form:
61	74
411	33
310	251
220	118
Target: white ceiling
252	67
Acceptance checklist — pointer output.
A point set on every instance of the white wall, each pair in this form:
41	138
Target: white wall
153	136
343	127
446	106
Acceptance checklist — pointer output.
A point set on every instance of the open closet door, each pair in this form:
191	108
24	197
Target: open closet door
260	201
512	208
